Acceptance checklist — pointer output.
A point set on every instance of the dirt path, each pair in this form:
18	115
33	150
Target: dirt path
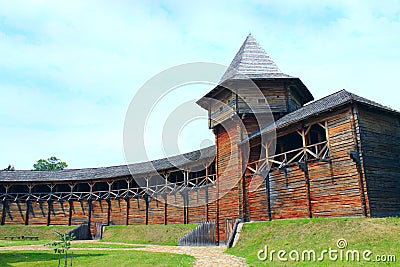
205	256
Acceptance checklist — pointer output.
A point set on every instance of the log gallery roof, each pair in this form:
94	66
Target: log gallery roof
319	106
137	169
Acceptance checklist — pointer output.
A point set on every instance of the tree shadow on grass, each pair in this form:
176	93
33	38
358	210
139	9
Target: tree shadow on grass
9	257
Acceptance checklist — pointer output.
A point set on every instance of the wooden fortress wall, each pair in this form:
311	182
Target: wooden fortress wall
115	212
325	189
380	144
228	173
361	179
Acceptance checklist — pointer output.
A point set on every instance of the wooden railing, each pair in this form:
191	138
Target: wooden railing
316	151
187	184
158	189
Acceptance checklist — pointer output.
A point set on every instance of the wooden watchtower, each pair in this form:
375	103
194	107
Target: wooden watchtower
252	93
279	155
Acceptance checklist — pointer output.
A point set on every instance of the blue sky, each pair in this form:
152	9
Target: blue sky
68	69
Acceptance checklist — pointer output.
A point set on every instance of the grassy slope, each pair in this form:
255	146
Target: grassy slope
380	235
147	234
94	258
45	233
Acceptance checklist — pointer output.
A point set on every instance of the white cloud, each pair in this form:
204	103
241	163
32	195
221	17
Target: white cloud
68	69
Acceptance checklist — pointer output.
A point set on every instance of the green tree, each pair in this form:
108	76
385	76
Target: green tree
61	247
50	164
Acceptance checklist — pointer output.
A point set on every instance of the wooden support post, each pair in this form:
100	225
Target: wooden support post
5	206
3	212
28	208
304	167
70	203
304	141
268	191
90	204
184	207
127	199
206	192
242	191
207	205
187	206
146	199
308	191
108	210
49	206
165	210
267	181
108	200
166	175
70	212
326	133
91	190
128	205
185	198
357	158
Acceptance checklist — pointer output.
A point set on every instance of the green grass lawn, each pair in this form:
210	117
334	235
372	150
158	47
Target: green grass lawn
140	234
379	235
6	243
147	234
9	243
102	245
94	258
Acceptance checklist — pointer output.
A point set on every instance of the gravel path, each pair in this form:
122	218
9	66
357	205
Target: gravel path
205	256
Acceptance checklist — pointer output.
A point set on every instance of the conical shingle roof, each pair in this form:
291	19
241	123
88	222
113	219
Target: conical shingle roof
253	62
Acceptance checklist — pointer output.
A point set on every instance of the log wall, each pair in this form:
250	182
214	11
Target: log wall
288	194
197	211
228	175
257	200
38	213
175	209
79	212
99	212
334	187
156	212
380	139
137	211
322	188
15	213
59	213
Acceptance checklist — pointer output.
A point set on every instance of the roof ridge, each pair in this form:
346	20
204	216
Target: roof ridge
318	106
327	96
363	100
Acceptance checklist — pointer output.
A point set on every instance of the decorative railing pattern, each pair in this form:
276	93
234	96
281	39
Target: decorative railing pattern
306	152
318	151
129	192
